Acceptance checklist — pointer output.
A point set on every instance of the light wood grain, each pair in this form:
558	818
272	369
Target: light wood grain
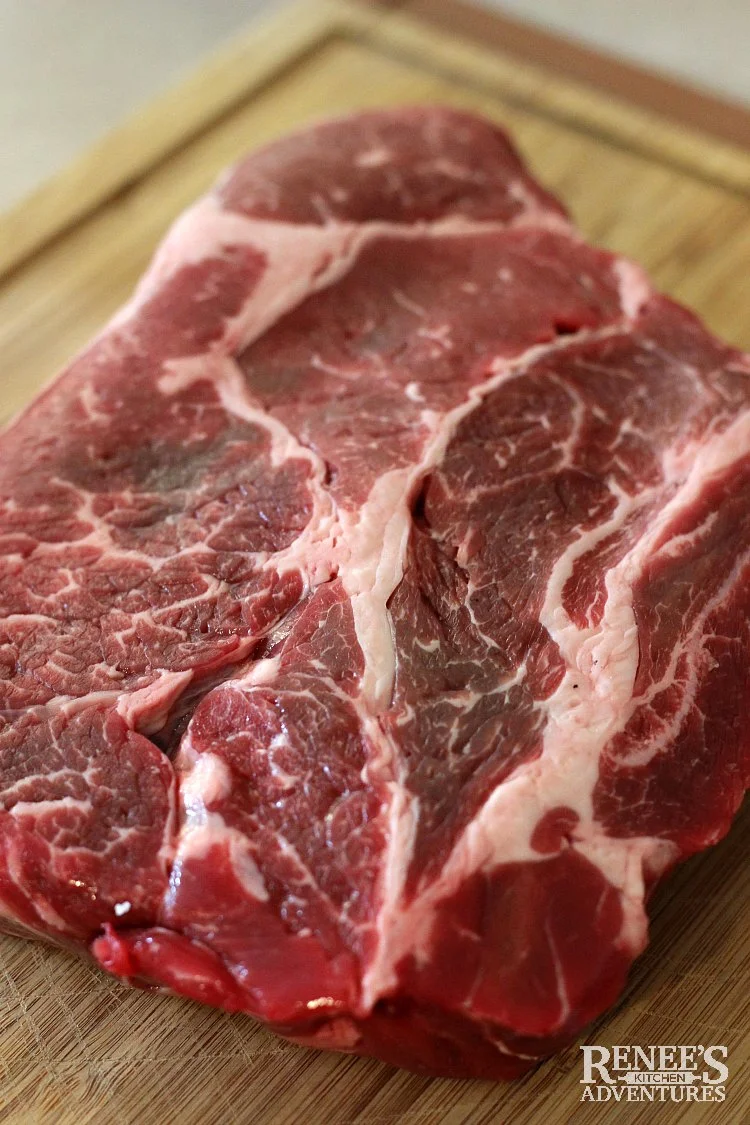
76	1047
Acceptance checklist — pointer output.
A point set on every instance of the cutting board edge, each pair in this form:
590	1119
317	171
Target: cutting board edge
236	71
132	149
613	74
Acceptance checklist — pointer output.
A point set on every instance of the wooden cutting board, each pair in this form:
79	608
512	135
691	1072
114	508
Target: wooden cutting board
75	1046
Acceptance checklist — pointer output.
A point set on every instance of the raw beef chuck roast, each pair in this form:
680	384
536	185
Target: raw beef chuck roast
375	607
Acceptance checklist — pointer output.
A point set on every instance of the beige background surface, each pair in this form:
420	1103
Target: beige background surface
71	69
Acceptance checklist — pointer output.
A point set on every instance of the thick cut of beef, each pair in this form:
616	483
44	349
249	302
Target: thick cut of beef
376	607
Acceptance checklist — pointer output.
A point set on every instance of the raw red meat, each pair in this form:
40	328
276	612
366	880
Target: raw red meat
374	599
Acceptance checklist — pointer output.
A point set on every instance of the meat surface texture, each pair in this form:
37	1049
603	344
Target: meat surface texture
375	598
